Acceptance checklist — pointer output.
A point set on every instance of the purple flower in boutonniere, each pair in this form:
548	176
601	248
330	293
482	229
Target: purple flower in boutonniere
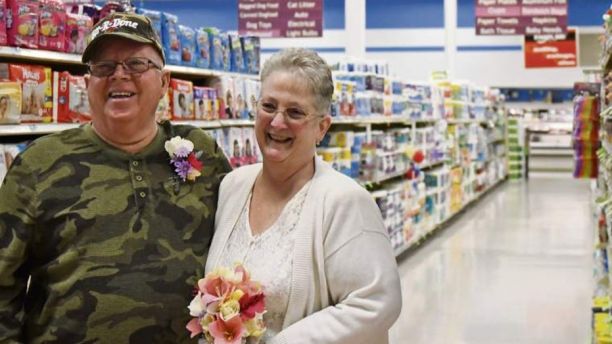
186	163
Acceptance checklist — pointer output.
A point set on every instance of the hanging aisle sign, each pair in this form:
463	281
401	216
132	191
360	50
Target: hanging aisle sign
280	18
553	51
521	17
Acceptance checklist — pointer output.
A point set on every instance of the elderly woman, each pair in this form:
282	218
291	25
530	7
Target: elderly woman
311	236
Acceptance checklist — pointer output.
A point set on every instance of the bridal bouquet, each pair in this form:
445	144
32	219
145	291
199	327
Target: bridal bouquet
228	307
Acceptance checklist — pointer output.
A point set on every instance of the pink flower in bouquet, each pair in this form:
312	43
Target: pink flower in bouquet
227	307
227	332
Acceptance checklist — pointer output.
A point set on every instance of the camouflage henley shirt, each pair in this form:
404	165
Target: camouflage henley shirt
112	242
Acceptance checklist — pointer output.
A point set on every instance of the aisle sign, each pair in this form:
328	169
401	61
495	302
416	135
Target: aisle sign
521	17
280	18
554	51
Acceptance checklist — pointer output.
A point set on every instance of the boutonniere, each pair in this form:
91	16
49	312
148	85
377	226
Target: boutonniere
185	161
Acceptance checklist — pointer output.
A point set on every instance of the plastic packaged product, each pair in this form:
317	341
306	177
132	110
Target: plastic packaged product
236	54
240	107
252	90
77	27
162	112
36	92
3	38
170	39
217	48
72	101
83	8
251	149
188	45
225	94
202	49
236	144
251	47
181	99
22	23
52	25
155	17
10	102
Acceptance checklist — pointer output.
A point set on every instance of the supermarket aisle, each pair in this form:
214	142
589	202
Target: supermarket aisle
516	268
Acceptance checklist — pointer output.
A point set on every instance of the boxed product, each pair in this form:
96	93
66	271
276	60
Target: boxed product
3	38
162	113
112	6
235	142
236	55
22	23
202	49
10	102
155	17
251	149
51	24
188	45
75	33
225	94
181	99
170	39
252	90
240	108
251	47
203	98
36	92
11	151
72	101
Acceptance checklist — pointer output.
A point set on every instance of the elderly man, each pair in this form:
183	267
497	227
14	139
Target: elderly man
110	222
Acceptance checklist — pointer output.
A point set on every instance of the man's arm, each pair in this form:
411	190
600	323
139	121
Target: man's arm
17	214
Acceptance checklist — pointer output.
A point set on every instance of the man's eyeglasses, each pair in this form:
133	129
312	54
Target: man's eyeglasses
132	65
291	114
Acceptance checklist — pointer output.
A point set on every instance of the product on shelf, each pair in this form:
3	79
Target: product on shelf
219	49
226	98
84	8
75	32
163	108
252	89
72	101
155	17
203	101
188	45
585	134
181	99
251	148
241	110
251	47
112	6
36	92
202	49
236	54
170	39
22	23
10	102
52	22
8	153
3	18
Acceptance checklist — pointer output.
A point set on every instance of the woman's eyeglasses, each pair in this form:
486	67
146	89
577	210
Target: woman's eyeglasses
132	65
291	114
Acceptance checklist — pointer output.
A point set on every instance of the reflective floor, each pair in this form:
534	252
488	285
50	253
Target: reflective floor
514	268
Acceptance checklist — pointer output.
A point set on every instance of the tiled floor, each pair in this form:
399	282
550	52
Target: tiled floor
515	268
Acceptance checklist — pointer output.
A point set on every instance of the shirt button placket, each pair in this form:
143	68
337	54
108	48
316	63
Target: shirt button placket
138	181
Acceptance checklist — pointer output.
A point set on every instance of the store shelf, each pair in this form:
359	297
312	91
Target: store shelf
39	55
414	242
465	121
34	129
45	56
378	119
235	122
432	165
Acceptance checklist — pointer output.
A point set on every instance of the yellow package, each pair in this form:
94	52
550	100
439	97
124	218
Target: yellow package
10	102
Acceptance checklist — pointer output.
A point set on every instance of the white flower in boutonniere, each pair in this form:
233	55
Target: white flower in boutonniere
186	163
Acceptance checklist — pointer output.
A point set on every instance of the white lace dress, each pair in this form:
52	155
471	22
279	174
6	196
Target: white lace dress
268	257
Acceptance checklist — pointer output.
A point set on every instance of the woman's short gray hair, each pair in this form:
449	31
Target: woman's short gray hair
308	65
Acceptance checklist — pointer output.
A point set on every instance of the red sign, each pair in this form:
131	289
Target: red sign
551	51
280	18
521	17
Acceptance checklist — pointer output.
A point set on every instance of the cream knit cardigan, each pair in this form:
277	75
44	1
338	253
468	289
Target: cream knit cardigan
345	286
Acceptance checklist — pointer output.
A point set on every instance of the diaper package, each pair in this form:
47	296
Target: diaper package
236	56
202	49
162	112
203	100
155	17
181	99
170	39
251	47
22	23
72	102
51	25
75	34
36	92
188	45
10	102
3	38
